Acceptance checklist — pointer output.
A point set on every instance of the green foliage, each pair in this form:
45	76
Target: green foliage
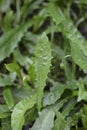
8	97
19	111
14	67
84	117
45	120
60	123
7	79
54	94
43	65
77	42
6	124
4	111
9	41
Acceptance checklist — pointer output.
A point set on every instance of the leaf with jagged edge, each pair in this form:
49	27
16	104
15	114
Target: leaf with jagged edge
77	41
10	40
17	117
45	121
42	62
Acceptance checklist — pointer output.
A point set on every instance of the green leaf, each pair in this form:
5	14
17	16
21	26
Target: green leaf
6	80
4	111
83	1
7	94
55	93
21	92
55	13
60	123
84	116
8	20
14	67
4	5
45	120
77	41
4	108
42	64
6	124
30	115
59	104
69	106
39	19
10	40
18	57
4	115
82	93
17	117
32	73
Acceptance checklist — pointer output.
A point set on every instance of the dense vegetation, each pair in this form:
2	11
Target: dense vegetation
43	64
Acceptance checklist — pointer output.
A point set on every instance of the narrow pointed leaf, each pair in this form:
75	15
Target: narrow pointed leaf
10	40
8	97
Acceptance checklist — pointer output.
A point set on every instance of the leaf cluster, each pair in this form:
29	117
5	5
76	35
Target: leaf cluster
43	65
